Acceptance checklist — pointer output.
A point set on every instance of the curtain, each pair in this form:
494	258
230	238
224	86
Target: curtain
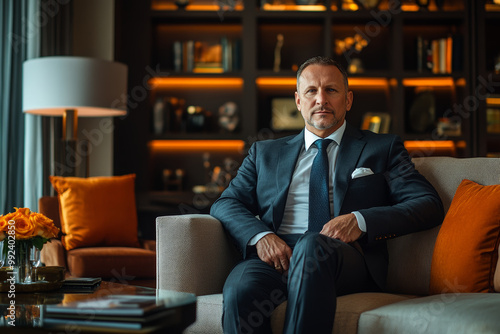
33	151
13	46
29	29
42	133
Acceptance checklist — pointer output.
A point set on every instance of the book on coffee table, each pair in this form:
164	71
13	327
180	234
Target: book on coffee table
82	281
114	311
80	284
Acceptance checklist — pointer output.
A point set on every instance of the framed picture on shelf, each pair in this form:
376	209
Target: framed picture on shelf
376	122
285	115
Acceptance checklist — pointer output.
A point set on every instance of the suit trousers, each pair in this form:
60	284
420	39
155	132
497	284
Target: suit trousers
321	268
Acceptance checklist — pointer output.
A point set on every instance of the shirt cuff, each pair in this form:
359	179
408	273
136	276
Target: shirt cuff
257	237
361	221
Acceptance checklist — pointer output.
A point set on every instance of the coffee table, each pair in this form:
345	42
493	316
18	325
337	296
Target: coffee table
30	309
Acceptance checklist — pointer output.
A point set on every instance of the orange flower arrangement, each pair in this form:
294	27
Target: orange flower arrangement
29	226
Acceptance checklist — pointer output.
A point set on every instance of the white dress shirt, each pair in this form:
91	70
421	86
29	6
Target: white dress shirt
295	217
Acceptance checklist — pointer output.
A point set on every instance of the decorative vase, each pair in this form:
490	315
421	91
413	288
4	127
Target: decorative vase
181	4
2	253
23	266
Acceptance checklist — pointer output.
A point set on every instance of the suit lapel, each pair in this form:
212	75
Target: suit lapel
287	159
349	151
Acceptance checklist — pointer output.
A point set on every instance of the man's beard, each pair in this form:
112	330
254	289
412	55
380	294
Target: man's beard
318	124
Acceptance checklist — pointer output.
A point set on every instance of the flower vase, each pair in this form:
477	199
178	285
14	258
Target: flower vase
3	253
23	266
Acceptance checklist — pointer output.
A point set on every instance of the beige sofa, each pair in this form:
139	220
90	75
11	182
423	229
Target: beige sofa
195	255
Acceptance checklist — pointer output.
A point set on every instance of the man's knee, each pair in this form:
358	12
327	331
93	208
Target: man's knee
248	307
317	245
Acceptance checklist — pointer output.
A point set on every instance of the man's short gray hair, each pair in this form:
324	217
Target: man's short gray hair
325	61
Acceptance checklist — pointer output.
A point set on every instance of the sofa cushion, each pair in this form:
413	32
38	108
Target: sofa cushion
410	258
349	308
208	315
466	251
120	263
97	211
445	314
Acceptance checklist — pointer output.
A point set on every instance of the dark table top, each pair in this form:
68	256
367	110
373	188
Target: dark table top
30	309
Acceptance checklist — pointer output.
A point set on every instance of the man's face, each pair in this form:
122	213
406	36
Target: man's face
322	99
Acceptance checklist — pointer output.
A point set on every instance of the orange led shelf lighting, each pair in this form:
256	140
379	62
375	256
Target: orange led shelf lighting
196	145
431	147
493	101
303	8
194	7
291	82
434	82
197	82
410	8
276	82
368	82
413	144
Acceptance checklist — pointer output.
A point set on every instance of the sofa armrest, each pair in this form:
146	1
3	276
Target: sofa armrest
193	254
53	254
148	244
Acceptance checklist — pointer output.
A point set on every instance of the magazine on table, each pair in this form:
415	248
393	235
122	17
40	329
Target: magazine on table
121	306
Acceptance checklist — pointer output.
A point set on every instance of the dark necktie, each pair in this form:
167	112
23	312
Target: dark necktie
319	202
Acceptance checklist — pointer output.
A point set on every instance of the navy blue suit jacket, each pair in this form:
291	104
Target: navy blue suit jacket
394	201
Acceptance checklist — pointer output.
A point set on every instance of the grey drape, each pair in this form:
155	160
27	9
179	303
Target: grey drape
13	45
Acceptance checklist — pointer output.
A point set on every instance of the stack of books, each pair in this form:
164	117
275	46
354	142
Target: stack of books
114	311
441	55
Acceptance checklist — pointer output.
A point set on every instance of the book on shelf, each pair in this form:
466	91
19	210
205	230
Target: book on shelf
207	56
113	311
439	56
493	120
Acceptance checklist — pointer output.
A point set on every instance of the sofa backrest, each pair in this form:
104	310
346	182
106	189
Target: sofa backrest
410	256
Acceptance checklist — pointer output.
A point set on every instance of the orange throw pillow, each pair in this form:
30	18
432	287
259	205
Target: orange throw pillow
97	211
466	251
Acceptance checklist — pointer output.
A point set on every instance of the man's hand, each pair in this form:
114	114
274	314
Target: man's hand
274	251
344	228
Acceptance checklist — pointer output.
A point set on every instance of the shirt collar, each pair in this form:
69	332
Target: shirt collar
310	138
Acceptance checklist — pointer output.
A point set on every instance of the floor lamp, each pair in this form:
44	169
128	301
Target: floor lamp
73	87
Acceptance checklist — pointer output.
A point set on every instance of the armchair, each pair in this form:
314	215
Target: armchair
127	265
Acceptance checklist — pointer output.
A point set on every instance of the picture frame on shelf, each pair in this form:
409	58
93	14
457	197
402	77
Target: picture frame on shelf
285	115
377	122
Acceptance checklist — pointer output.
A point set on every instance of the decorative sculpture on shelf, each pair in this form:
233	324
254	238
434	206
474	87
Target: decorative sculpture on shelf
349	46
277	52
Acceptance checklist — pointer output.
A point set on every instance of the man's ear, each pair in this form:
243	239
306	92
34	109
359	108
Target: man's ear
349	97
297	100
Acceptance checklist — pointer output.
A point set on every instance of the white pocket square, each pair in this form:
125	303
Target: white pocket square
360	172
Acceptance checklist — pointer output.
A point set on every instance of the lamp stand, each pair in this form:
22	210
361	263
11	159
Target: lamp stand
73	153
70	124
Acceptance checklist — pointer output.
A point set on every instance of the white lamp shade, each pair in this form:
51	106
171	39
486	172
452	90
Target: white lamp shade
94	87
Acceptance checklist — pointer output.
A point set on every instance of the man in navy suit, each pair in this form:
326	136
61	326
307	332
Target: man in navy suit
374	194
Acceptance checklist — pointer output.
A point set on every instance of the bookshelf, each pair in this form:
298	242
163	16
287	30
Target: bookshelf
487	74
389	72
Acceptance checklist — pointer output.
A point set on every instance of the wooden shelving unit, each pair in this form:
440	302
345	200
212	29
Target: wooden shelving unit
487	78
391	81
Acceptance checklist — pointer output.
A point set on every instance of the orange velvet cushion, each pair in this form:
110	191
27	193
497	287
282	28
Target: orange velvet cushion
466	251
97	211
